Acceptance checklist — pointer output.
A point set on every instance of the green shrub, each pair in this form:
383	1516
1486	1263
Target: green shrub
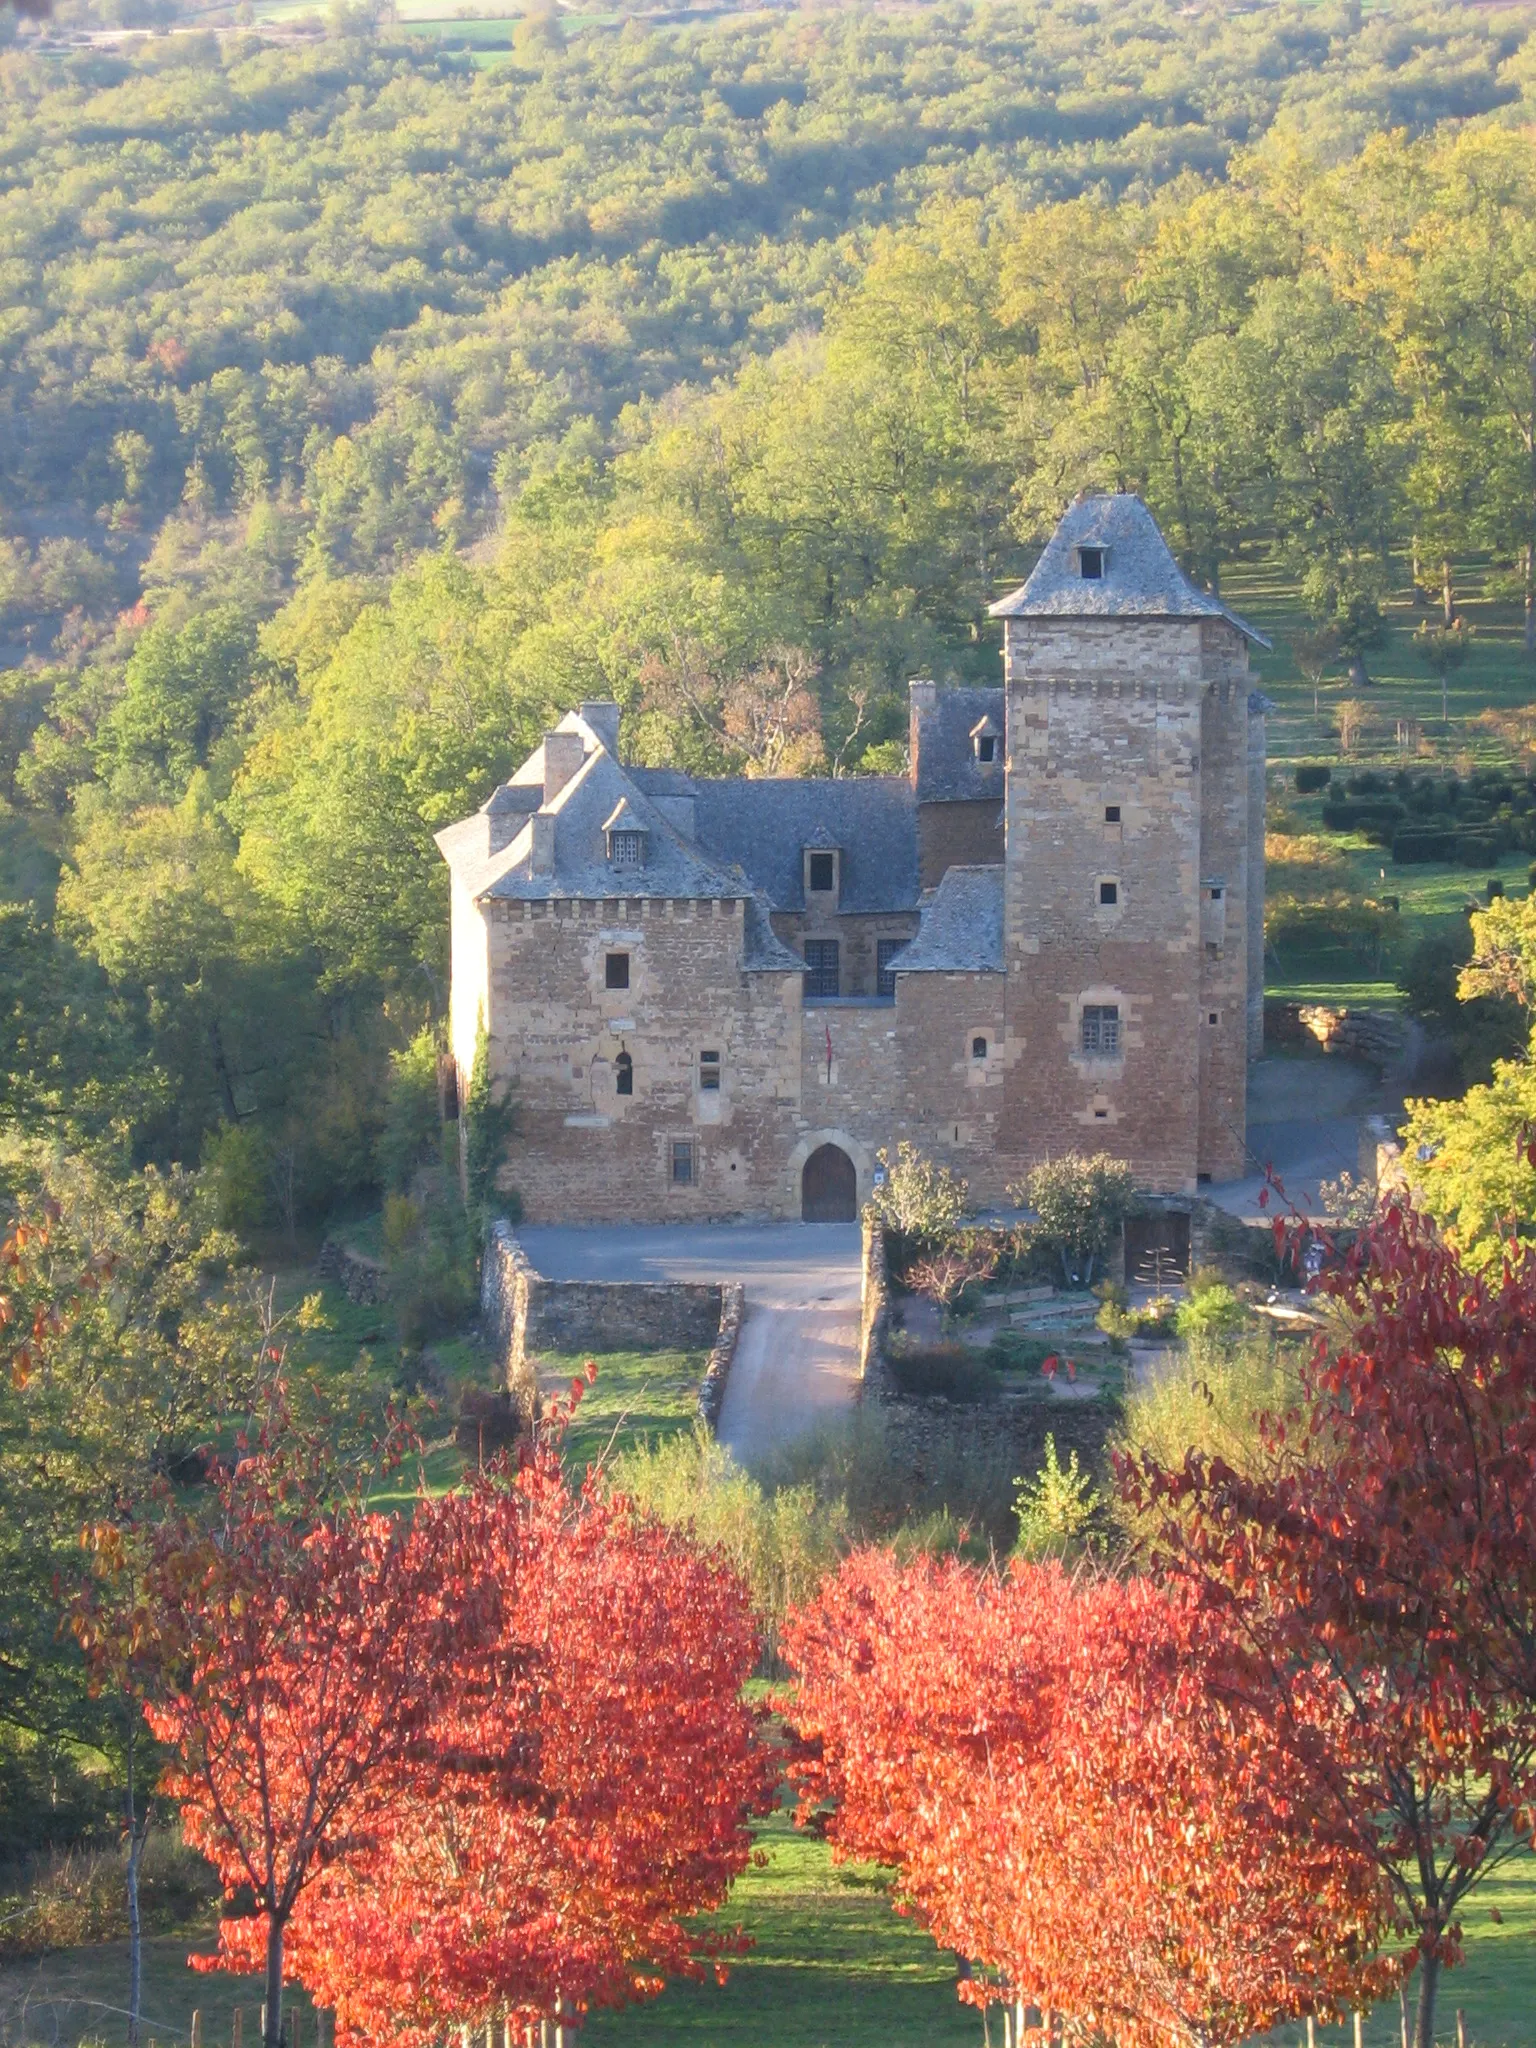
236	1158
1492	889
950	1372
1210	1311
80	1896
1081	1204
1012	1351
1054	1510
430	1257
918	1200
1208	1397
413	1133
1312	776
782	1541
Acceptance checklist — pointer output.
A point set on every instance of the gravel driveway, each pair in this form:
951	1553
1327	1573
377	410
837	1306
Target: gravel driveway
796	1361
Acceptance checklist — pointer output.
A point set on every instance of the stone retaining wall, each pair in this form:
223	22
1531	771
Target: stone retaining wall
524	1313
361	1280
874	1305
712	1393
1376	1035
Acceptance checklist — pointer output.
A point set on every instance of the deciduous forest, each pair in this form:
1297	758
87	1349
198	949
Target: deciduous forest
370	397
362	409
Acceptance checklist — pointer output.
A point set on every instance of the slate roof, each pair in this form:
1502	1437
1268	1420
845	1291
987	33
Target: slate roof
1141	578
947	768
961	928
762	827
672	866
763	952
747	839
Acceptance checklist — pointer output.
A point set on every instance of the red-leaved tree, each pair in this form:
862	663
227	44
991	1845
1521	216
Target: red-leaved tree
1376	1586
574	1815
1066	1803
308	1645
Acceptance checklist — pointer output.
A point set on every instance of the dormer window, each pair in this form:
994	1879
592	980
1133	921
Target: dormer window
984	738
1090	564
625	837
821	870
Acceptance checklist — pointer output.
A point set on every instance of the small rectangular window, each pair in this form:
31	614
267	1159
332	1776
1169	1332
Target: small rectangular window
1090	562
683	1162
823	873
885	952
616	970
821	969
1109	892
1212	950
1101	1030
1213	1016
986	748
978	1048
1111	814
709	1070
1216	895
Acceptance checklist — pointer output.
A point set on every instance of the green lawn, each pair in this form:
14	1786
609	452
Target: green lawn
1497	674
832	1967
649	1394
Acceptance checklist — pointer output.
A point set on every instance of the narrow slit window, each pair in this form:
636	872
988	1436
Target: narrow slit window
1101	1030
623	1075
709	1071
616	970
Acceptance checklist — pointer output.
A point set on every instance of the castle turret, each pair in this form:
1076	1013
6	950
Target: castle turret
1129	869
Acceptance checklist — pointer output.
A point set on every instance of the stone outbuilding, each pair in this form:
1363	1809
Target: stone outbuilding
723	997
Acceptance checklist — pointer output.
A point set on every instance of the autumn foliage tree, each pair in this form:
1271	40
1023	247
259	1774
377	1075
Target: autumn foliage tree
1375	1585
1066	1803
571	1819
480	1763
307	1644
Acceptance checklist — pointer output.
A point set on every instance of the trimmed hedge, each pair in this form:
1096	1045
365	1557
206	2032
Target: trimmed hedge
1378	818
1312	776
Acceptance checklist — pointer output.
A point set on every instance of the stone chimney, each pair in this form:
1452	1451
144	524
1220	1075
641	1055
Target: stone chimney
922	701
541	861
602	714
563	756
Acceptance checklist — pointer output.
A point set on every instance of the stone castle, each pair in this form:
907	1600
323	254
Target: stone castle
721	998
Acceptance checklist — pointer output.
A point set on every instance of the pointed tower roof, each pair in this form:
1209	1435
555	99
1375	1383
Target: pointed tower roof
1107	559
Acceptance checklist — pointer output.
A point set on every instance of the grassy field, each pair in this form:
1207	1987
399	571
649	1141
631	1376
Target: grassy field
650	1394
832	1967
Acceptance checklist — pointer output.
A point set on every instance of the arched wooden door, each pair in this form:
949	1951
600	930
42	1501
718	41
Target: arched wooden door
829	1187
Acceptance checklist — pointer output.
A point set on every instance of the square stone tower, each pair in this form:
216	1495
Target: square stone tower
1133	870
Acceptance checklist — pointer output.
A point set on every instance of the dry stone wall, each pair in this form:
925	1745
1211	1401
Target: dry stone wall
524	1313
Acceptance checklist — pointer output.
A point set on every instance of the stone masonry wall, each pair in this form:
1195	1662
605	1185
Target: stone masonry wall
1102	714
1224	936
957	835
858	940
584	1150
909	1070
524	1313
